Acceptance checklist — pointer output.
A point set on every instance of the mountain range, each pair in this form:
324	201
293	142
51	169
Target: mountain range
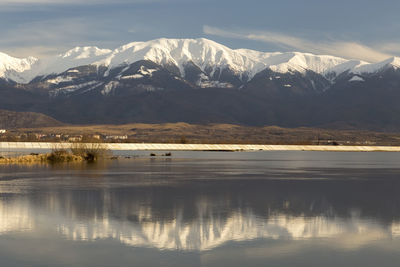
201	81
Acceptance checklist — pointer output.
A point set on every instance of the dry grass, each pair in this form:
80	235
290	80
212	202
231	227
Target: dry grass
90	151
62	155
225	133
24	159
77	153
54	157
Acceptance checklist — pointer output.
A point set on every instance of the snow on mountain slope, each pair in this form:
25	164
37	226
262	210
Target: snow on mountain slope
295	61
208	55
202	52
78	56
12	68
349	65
372	68
24	70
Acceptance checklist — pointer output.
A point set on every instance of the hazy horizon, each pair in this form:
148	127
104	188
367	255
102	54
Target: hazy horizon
341	28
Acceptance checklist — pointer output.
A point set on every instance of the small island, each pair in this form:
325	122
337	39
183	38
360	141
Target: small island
78	152
42	158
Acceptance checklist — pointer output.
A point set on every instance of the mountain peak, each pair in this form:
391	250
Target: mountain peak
85	52
11	67
202	52
393	62
207	55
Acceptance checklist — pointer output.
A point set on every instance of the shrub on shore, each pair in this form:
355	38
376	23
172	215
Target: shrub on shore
90	151
62	155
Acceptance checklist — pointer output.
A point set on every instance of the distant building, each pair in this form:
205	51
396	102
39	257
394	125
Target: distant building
116	137
76	138
40	136
3	131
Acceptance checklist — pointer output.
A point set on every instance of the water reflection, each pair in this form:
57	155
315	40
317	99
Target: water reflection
15	217
211	233
198	216
197	209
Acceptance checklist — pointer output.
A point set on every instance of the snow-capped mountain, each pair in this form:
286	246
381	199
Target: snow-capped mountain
201	81
207	55
16	69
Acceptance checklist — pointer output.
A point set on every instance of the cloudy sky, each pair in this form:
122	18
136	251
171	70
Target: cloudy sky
362	29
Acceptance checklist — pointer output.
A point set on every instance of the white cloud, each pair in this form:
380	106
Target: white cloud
350	50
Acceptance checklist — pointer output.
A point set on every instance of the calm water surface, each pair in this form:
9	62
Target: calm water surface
205	209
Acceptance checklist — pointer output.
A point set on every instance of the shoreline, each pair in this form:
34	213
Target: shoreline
37	158
4	146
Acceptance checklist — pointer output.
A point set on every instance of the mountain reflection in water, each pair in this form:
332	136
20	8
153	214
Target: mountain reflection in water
202	205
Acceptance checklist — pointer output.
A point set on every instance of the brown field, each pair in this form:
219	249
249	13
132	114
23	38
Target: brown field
221	134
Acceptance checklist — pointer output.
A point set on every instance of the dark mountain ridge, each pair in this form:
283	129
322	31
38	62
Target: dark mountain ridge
156	92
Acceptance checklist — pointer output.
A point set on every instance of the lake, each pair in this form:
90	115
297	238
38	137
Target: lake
204	209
